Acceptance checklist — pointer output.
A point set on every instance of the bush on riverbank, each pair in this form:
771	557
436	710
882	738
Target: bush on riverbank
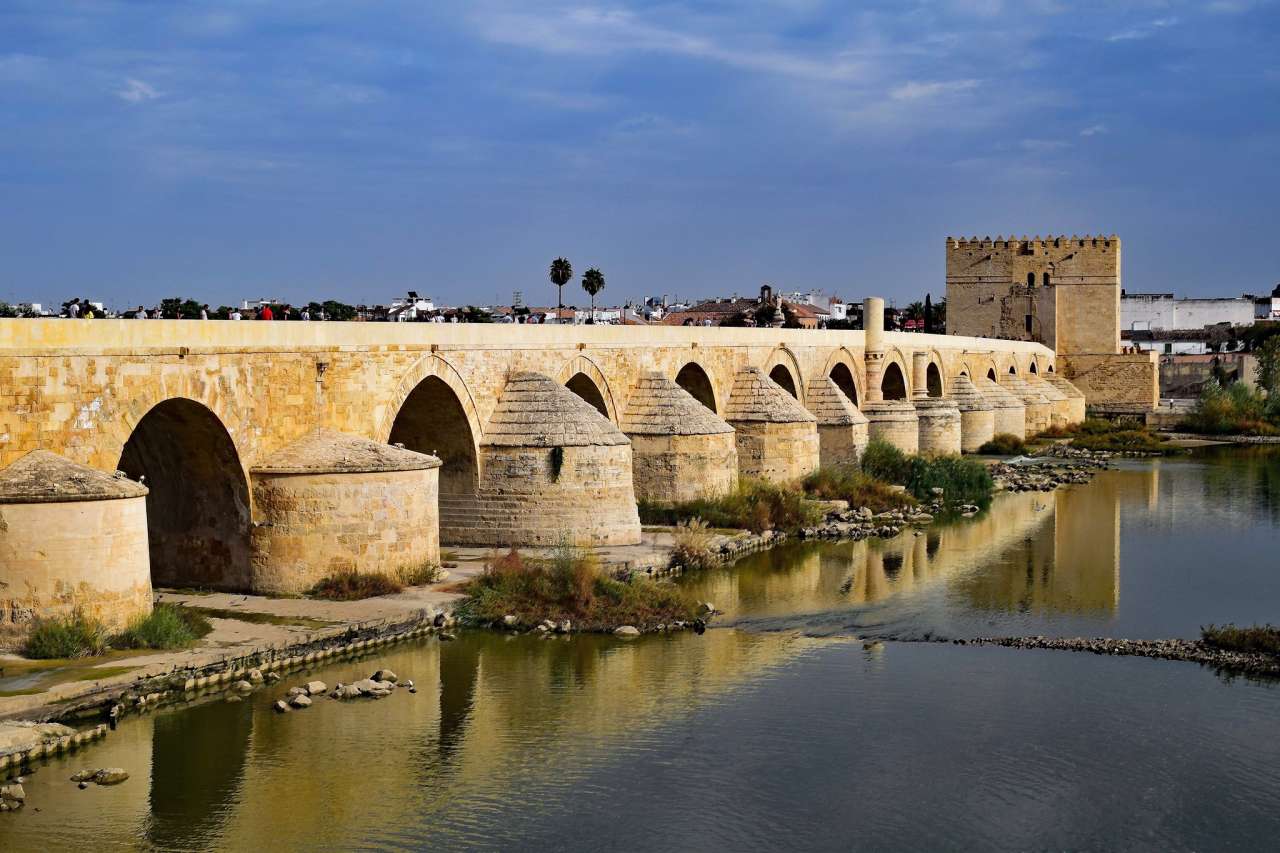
1237	409
1264	639
353	586
961	480
692	547
570	585
1004	444
79	635
166	627
1115	436
75	636
754	505
847	483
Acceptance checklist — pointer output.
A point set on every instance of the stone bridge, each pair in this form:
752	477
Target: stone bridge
543	432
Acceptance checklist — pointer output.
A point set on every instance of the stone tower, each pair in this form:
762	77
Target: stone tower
1063	292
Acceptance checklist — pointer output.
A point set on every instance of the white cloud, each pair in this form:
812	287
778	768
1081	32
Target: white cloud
1095	130
137	91
1143	32
914	90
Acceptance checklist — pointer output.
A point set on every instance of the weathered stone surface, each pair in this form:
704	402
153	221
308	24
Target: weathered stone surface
777	438
44	477
842	428
19	736
385	675
326	451
626	631
301	700
110	776
681	450
315	688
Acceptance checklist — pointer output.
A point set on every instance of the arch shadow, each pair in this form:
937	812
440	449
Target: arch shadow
693	379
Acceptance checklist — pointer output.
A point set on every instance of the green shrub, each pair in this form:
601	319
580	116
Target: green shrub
882	461
1004	444
570	585
1125	440
166	627
352	586
847	483
1258	638
754	505
419	575
1237	409
74	636
962	480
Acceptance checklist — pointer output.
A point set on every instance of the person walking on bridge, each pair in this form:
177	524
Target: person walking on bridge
267	313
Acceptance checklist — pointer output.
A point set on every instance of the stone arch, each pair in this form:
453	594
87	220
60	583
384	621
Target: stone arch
432	419
1032	367
694	379
198	504
584	377
936	370
428	366
893	355
1049	369
842	367
893	385
782	377
784	358
933	380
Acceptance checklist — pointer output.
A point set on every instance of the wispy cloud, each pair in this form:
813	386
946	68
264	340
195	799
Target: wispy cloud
600	32
137	91
914	90
1095	130
1144	31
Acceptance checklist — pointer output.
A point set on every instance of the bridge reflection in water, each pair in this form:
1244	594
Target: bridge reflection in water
1035	553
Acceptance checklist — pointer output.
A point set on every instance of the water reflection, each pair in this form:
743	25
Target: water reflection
1153	533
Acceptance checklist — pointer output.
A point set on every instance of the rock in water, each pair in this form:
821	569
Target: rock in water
626	631
255	675
301	701
110	776
282	706
315	688
385	675
82	776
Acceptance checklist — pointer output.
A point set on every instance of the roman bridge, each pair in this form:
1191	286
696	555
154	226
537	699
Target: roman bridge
543	432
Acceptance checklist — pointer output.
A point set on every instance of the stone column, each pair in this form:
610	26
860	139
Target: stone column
893	421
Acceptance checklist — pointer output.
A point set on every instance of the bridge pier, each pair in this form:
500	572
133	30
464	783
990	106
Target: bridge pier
552	469
1039	409
842	429
71	538
680	449
938	417
777	438
1075	407
1059	404
332	503
977	416
1009	413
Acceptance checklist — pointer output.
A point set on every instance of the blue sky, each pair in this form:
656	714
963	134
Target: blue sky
355	150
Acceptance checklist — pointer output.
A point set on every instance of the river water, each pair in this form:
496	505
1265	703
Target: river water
787	726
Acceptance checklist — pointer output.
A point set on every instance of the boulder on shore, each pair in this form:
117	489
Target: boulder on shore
626	631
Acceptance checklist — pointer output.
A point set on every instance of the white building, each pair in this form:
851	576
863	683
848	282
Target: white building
1150	312
411	307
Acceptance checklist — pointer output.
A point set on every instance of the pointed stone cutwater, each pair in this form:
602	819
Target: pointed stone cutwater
1075	397
1008	410
842	429
977	415
680	449
1039	409
552	469
1059	404
938	418
332	503
777	437
71	538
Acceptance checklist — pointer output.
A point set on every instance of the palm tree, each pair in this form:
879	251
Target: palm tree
913	313
561	274
593	283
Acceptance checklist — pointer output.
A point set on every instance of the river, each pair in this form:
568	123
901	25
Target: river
809	718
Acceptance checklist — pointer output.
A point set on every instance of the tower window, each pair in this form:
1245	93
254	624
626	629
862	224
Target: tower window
1046	279
1027	319
1031	279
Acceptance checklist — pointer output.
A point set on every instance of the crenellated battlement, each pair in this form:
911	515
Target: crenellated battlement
1032	244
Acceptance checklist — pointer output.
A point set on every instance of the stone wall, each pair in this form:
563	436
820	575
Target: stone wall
315	525
1115	381
777	452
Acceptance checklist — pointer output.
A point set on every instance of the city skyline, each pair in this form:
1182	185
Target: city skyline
359	152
